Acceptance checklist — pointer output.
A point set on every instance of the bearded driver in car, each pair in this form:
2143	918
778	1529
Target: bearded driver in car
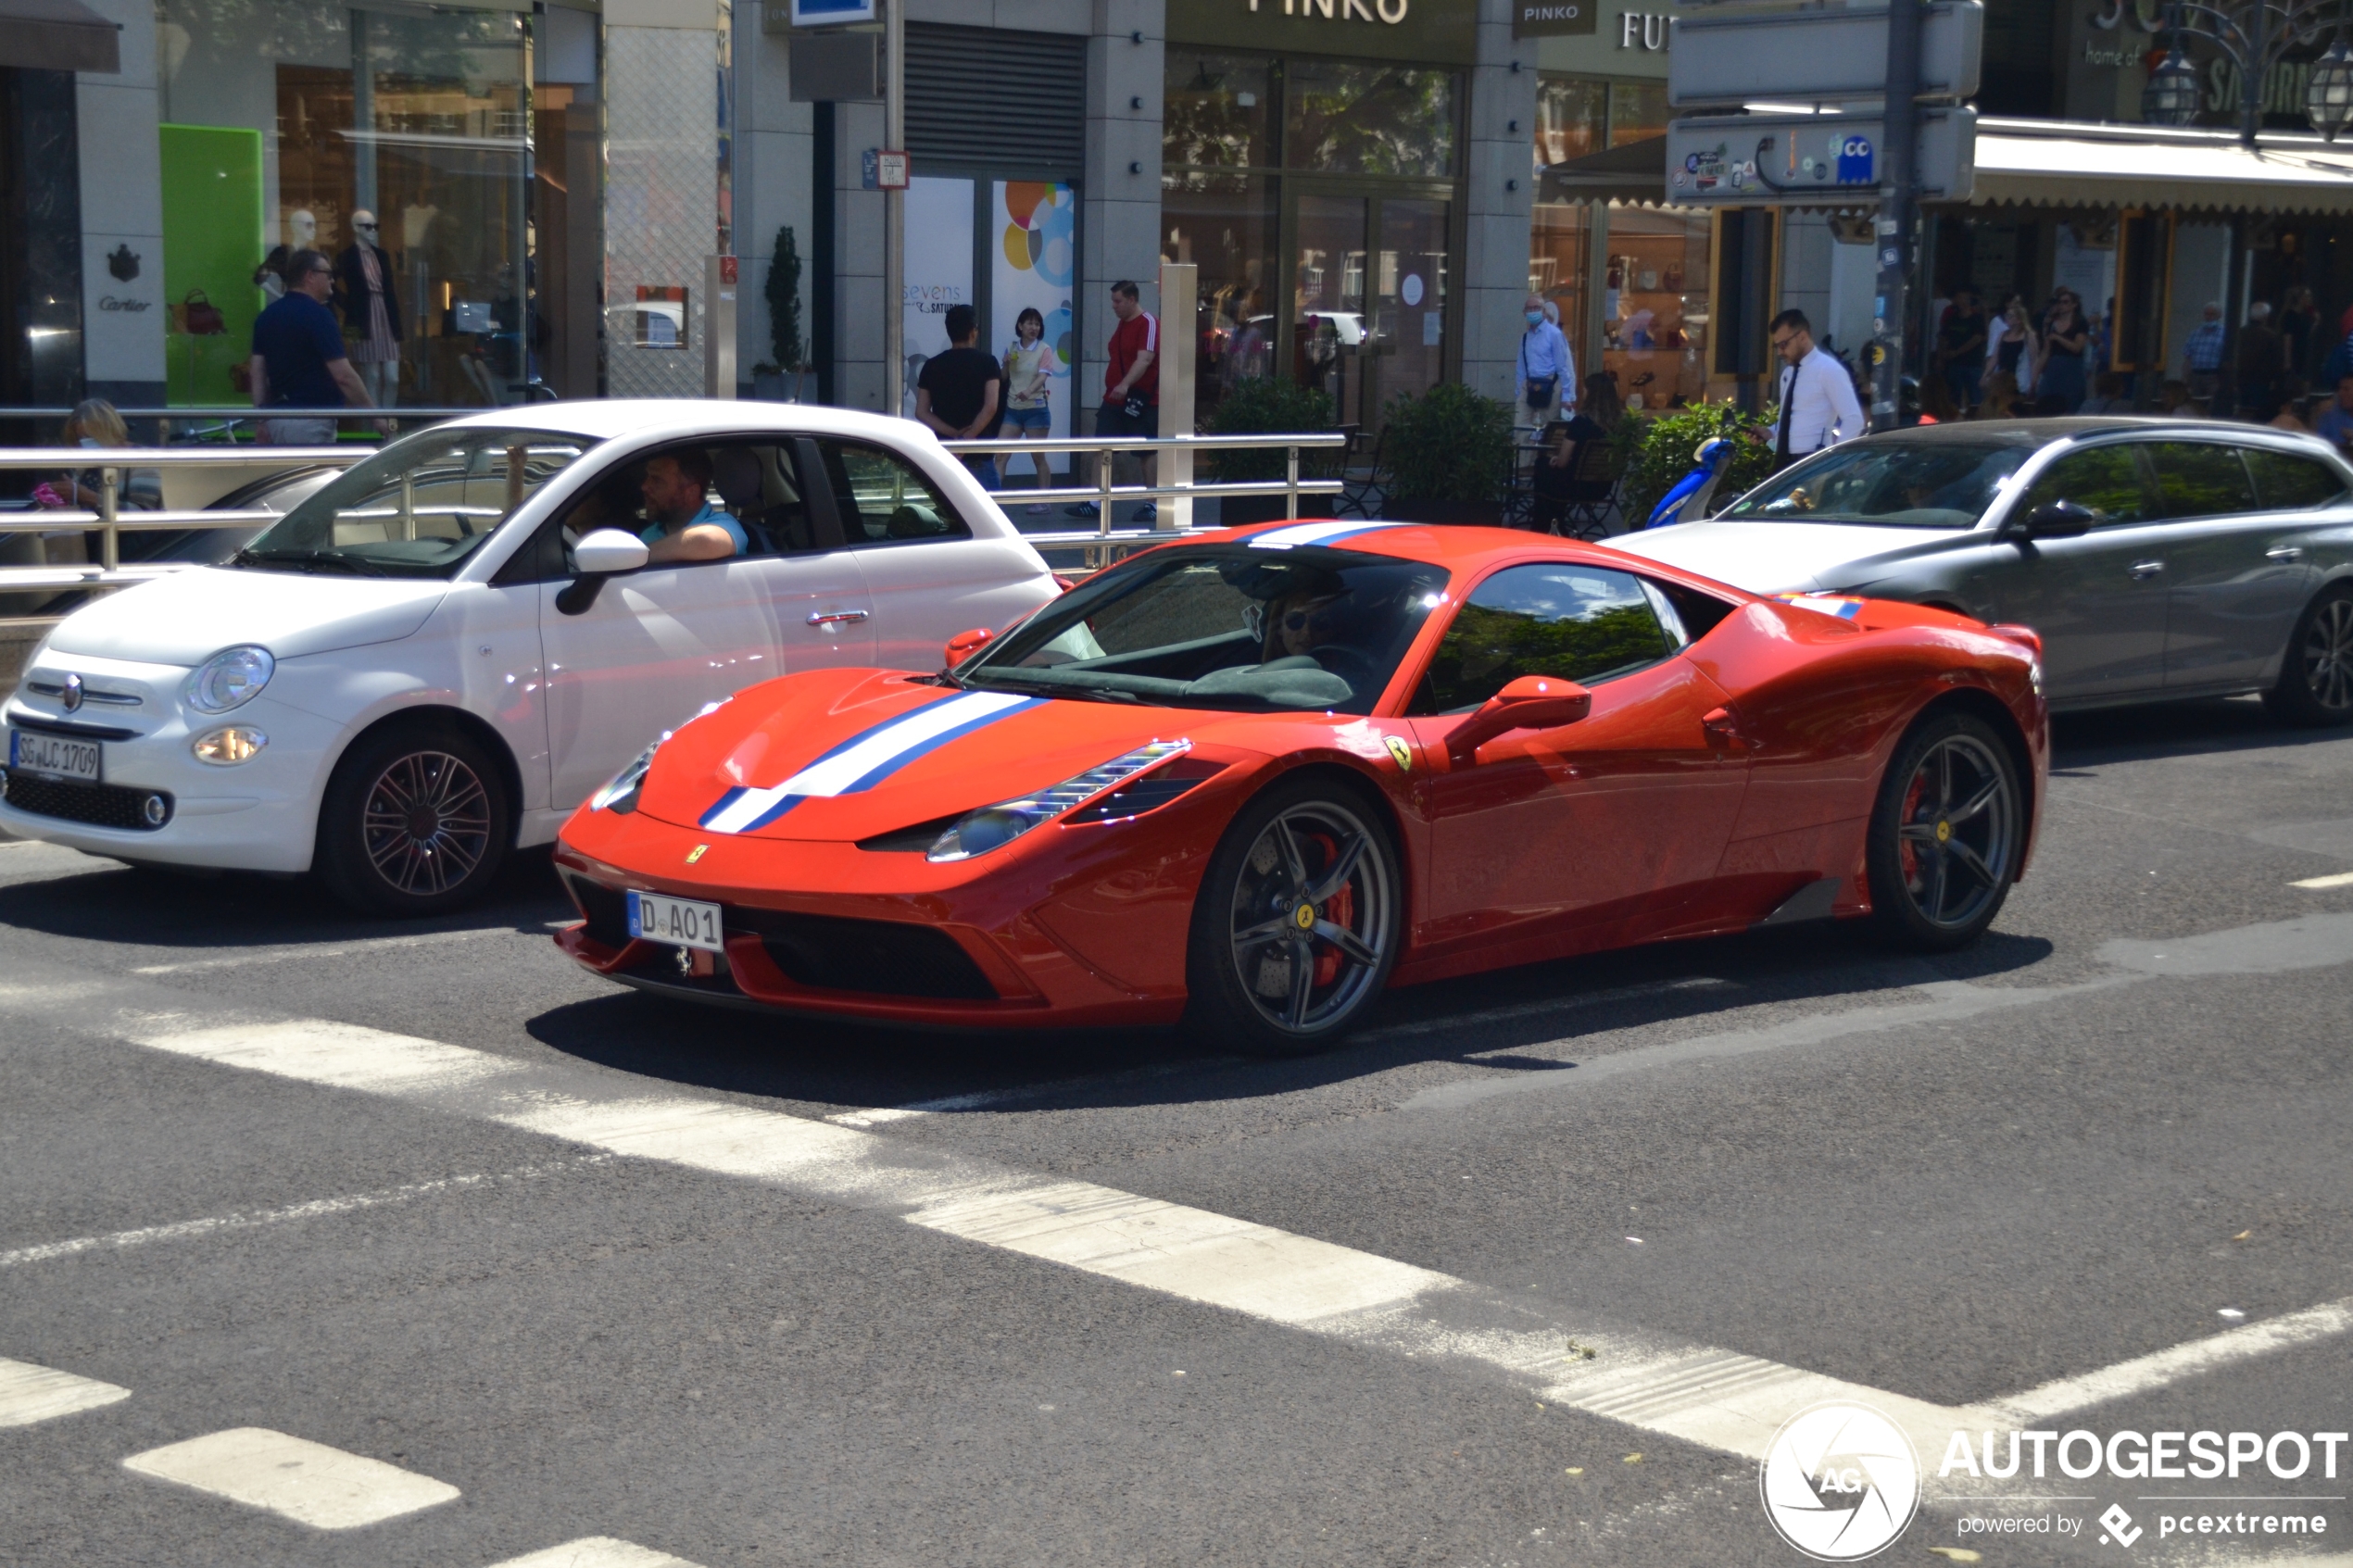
683	525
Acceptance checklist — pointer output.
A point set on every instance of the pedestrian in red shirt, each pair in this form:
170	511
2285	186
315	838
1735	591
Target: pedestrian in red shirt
1131	383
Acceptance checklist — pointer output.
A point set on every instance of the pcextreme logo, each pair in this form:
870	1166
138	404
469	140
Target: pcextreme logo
1839	1482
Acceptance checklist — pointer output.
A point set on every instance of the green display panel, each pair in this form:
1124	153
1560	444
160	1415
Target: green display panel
212	242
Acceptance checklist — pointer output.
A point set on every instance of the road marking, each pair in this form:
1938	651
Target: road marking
188	1230
1698	1393
308	1483
30	1393
1949	1001
989	1100
331	951
2196	1359
596	1551
2342	879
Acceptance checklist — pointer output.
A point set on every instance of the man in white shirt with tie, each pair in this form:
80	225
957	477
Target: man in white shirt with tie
1819	407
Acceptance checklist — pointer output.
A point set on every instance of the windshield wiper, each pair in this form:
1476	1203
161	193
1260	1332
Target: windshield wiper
358	565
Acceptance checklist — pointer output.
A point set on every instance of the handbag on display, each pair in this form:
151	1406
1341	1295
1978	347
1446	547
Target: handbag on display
199	317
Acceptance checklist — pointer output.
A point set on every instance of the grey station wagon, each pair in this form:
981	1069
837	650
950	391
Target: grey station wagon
2158	559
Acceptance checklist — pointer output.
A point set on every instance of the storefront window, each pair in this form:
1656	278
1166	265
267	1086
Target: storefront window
1570	115
1346	118
1654	305
421	119
1219	111
1636	111
1227	225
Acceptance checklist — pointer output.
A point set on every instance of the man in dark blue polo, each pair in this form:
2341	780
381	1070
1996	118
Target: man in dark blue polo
299	358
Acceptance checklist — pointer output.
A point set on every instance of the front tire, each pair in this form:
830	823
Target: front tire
416	822
1945	835
2315	687
1297	923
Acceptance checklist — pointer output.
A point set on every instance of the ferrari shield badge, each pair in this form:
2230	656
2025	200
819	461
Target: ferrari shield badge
696	853
1404	753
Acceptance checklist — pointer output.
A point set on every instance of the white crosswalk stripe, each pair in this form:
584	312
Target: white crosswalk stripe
596	1551
30	1393
308	1483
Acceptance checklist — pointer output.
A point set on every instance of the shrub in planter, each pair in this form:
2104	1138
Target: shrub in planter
1655	452
1449	452
778	378
1268	406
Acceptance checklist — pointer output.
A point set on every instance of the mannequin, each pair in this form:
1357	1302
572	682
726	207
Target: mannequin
370	302
302	229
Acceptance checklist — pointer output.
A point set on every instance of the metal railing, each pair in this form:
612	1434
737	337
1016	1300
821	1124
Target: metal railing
1104	541
110	520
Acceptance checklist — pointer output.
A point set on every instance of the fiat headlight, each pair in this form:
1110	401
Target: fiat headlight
977	833
230	679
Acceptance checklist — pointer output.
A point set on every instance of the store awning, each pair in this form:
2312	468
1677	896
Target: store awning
1635	172
2056	163
59	35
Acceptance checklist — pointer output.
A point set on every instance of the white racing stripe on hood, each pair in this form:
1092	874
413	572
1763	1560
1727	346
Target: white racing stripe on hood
866	759
1315	533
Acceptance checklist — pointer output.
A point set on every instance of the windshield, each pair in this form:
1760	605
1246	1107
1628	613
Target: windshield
1887	483
1228	626
417	508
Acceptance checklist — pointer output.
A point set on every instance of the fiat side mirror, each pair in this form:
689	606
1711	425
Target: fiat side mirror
964	645
2052	520
1531	702
606	552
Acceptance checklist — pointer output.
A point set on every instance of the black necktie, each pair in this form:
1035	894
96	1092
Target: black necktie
1789	400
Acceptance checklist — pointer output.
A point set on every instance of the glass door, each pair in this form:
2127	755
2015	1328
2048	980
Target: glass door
1409	309
1327	313
1368	316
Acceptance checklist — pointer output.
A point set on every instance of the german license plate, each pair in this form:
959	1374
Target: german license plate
680	922
57	757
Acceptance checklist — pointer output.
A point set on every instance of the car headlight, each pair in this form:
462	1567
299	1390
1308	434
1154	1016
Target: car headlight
230	679
977	833
620	793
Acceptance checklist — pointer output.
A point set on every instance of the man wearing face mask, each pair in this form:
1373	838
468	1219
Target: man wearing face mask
1547	370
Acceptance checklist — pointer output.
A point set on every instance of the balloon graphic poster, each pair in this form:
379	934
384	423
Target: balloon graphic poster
1034	262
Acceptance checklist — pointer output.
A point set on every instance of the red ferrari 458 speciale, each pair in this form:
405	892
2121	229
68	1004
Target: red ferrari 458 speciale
1252	778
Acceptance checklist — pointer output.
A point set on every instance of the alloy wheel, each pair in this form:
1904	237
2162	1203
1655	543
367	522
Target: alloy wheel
426	823
1311	916
2328	654
1958	830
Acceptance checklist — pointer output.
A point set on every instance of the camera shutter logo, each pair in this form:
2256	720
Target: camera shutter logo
1839	1482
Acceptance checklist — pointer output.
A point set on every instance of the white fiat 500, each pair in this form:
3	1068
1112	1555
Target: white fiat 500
436	657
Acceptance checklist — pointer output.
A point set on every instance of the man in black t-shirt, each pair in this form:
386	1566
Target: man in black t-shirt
1960	349
960	393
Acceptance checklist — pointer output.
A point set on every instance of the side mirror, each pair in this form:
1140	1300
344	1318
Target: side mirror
604	553
964	645
1531	702
2052	520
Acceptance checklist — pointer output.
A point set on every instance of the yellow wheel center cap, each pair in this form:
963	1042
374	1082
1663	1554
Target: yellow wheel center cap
1943	832
1304	917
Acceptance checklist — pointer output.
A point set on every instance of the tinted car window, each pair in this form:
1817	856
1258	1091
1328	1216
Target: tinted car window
884	498
2285	482
1583	623
2201	479
2105	481
1938	484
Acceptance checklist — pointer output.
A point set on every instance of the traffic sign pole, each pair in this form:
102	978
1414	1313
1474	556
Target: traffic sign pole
1899	214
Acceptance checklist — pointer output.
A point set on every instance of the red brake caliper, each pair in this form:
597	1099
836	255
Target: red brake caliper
1907	859
1340	909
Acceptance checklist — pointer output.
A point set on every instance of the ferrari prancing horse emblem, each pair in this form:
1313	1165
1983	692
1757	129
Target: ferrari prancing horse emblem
1404	753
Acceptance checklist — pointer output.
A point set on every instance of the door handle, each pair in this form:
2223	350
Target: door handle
2283	552
2144	569
1722	727
836	617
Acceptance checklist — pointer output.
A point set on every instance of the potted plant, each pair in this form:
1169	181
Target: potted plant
778	379
1267	406
1449	455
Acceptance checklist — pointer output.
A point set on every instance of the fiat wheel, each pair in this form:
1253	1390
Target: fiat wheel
416	820
1296	925
2316	677
1946	834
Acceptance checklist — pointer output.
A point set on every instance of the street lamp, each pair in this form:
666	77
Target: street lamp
2254	36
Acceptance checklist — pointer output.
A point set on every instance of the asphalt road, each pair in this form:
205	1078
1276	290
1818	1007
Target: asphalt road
744	1292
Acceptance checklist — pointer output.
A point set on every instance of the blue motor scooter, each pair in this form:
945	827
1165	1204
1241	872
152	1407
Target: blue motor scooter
1689	500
